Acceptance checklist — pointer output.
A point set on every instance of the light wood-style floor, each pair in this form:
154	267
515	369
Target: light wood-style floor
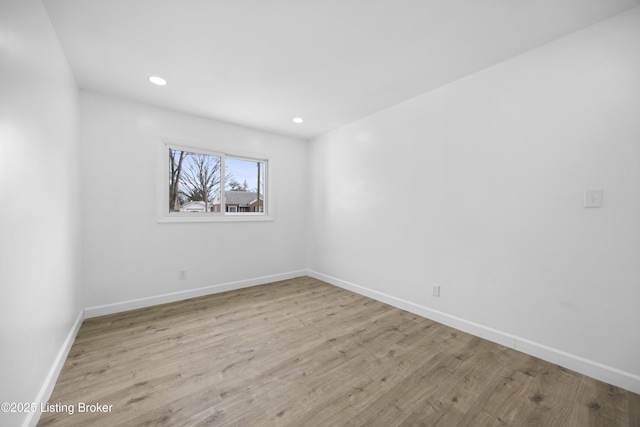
304	353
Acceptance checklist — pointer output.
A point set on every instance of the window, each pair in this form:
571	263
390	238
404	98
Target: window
244	189
207	186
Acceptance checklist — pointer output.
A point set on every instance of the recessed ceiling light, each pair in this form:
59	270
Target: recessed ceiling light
298	120
157	80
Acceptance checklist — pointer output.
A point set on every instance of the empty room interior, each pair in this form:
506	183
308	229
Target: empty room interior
320	212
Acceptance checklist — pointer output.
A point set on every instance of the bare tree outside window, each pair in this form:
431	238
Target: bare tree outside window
176	159
201	178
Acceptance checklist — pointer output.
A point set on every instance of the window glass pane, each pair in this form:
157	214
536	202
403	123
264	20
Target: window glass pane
194	181
244	185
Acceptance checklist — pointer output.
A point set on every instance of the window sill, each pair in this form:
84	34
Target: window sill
215	218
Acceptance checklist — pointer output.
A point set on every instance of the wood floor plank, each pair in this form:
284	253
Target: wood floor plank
301	352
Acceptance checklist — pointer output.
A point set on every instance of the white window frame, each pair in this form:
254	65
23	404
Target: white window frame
165	216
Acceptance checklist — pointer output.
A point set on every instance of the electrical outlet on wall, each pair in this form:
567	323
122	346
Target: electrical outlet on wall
593	198
182	274
435	290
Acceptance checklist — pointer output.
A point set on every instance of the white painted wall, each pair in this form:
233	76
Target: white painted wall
128	255
40	214
478	187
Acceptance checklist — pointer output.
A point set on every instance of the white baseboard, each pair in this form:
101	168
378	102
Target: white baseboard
579	364
118	307
590	368
50	381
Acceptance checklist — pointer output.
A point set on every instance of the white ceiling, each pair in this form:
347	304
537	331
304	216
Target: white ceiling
260	63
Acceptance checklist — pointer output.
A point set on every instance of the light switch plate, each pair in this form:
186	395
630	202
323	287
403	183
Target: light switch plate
435	290
593	198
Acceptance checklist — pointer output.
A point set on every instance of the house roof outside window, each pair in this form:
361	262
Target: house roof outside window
239	198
